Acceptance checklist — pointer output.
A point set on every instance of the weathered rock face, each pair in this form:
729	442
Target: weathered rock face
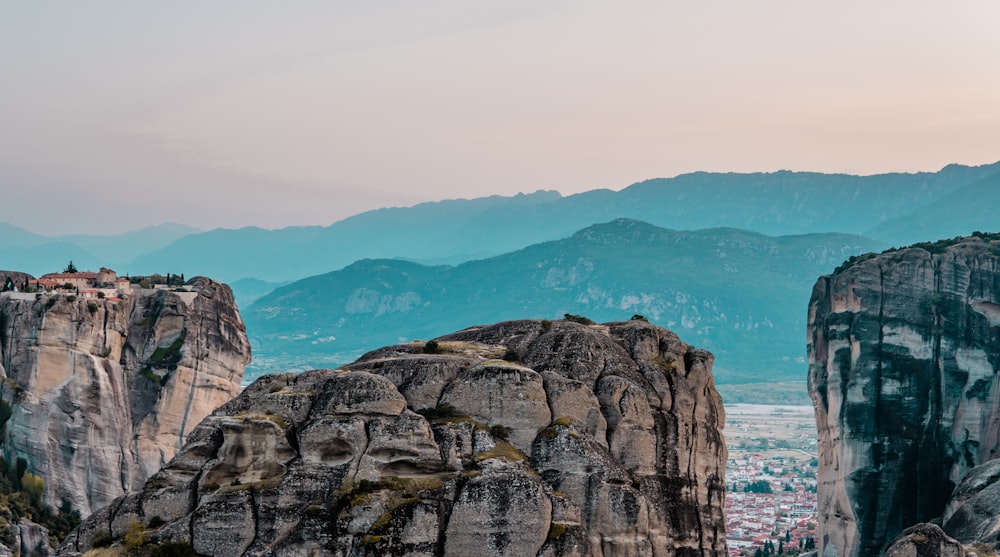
32	539
924	540
904	349
973	513
104	391
583	440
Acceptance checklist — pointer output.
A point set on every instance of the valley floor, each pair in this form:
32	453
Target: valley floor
770	477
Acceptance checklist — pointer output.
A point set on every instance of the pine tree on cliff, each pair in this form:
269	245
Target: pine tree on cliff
71	268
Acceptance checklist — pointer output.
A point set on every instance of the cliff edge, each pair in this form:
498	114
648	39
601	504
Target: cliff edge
521	438
904	349
103	391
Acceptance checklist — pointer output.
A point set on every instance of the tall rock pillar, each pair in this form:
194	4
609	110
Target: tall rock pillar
903	351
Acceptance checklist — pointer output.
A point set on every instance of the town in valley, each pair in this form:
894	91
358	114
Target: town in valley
770	480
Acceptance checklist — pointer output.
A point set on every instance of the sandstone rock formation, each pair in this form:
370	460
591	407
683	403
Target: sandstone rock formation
104	391
31	539
904	348
924	540
521	438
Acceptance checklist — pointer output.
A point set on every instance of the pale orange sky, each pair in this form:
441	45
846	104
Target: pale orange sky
114	115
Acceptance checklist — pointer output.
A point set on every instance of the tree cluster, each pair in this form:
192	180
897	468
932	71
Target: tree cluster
22	496
758	486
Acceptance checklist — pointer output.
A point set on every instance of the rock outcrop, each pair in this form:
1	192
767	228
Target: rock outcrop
14	279
924	540
31	539
973	513
904	349
104	391
521	438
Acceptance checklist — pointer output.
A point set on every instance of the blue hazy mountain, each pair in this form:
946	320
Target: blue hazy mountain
735	292
964	210
448	232
121	249
445	232
38	254
246	291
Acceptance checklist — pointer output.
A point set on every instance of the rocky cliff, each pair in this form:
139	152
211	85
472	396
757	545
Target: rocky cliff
904	349
522	438
104	391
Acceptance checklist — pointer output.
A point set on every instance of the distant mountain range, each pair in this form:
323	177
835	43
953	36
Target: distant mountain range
895	208
449	232
37	254
446	253
739	294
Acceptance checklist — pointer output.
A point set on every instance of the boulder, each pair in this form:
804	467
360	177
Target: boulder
455	453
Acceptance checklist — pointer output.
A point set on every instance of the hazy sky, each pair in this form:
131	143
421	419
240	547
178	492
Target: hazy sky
119	114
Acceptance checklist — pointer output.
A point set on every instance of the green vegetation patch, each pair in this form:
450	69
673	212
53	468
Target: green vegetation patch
169	356
396	508
148	373
22	496
499	431
983	549
665	363
262	485
791	392
504	451
578	319
441	411
431	347
407	489
135	537
137	543
273	418
512	355
101	539
556	531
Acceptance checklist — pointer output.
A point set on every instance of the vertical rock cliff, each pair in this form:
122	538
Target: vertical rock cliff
104	391
904	349
522	438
